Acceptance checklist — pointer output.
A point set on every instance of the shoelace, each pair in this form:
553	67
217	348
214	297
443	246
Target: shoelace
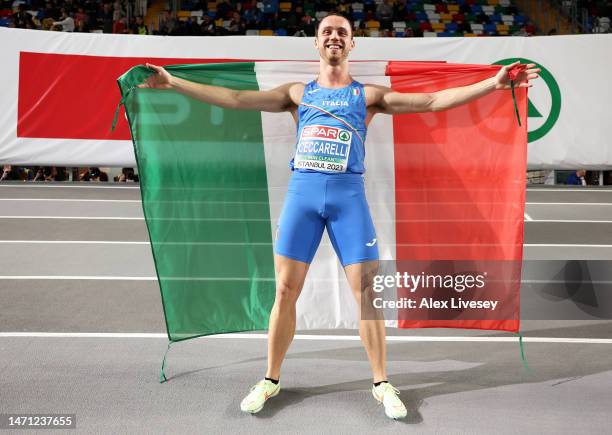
259	384
387	386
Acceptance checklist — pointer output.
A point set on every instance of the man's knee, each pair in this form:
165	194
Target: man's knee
286	294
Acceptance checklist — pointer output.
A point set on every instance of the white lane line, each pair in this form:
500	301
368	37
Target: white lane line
100	242
86	186
568	203
415	338
564	245
126	278
70	200
125	242
605	190
115	242
140	218
527	217
263	202
174	219
76	277
569	221
51	186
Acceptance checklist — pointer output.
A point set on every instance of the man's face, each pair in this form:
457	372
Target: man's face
334	39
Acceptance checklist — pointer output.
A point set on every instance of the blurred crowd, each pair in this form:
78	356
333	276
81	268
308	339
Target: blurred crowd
225	17
56	173
70	16
598	14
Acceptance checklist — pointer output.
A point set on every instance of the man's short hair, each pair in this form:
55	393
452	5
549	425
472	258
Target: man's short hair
334	14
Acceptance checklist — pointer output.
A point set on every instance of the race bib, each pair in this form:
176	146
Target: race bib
323	148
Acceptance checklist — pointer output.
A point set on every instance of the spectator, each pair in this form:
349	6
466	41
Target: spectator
6	174
93	174
127	176
252	16
66	22
51	11
119	26
236	26
106	17
224	10
117	11
306	27
208	28
361	30
384	13
140	28
80	16
82	27
521	32
577	178
22	19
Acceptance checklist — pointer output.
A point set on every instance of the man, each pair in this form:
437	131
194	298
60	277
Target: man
326	188
66	22
577	178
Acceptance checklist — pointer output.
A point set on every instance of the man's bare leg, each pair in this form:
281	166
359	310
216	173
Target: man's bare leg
290	276
372	332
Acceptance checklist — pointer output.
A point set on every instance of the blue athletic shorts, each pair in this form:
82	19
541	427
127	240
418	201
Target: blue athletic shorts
315	201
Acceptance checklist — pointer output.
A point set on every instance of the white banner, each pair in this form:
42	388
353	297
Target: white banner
57	110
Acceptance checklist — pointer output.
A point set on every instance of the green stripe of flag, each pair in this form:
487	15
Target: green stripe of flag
203	179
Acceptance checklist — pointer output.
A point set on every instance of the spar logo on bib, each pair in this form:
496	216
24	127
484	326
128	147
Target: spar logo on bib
544	105
323	148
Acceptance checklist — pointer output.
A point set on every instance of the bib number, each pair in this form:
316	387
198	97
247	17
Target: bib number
323	148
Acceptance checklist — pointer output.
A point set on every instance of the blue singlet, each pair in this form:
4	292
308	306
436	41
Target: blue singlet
326	189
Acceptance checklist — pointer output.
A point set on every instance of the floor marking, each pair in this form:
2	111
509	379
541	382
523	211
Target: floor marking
569	221
143	242
568	203
127	278
140	218
70	200
604	190
431	339
50	186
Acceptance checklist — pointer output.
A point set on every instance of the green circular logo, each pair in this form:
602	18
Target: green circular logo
555	95
344	135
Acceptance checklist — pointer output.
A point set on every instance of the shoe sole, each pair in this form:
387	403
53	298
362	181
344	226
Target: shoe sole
261	407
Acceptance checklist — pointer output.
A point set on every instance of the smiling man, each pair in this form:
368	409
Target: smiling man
326	189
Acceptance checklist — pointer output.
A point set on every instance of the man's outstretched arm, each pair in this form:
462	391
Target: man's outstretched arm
392	102
274	100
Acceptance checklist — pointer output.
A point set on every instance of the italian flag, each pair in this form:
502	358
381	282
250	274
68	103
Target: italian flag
444	188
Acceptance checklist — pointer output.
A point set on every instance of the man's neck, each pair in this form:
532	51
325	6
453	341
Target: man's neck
334	76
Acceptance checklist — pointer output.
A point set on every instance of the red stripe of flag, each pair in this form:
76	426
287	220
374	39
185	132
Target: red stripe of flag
459	179
74	96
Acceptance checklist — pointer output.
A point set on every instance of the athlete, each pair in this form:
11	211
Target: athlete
326	189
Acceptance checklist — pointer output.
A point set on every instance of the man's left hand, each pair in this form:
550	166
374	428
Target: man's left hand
528	72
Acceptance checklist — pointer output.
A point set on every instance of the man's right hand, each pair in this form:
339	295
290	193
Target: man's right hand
160	79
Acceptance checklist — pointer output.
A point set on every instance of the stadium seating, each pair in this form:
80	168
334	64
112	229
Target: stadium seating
423	17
